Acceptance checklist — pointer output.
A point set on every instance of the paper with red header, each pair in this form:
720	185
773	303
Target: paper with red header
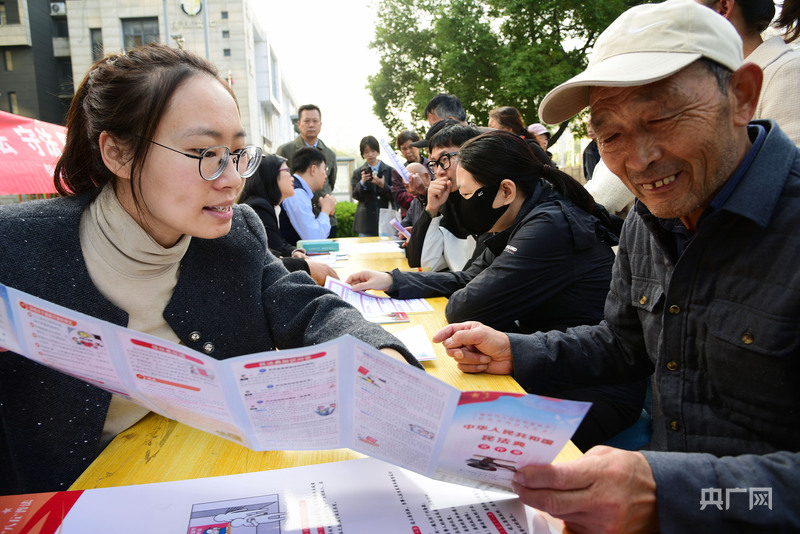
343	393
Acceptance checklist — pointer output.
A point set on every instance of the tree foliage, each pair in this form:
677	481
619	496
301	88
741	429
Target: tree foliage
487	52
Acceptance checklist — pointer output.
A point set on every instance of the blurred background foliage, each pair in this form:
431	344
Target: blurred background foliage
489	53
345	212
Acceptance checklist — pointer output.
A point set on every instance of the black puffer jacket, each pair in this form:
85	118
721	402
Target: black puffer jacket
550	270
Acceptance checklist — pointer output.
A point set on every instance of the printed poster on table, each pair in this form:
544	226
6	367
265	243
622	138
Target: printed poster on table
364	496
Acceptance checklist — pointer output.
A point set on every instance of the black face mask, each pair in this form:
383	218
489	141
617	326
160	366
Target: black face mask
476	213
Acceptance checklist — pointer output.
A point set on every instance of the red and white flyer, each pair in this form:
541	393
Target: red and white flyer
343	393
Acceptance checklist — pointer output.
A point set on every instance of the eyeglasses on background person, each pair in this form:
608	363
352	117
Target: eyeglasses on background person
214	159
443	161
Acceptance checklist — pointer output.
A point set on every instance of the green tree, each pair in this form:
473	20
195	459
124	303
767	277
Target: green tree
465	47
403	38
345	213
487	52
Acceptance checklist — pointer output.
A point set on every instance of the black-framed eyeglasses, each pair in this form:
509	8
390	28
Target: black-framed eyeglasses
443	161
214	159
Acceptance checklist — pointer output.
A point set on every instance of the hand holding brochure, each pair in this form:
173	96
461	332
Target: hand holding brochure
343	393
400	228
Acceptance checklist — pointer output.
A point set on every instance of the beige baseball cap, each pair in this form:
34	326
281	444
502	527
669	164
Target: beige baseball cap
645	44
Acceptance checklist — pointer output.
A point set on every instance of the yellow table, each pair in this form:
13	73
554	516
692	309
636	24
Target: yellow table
157	449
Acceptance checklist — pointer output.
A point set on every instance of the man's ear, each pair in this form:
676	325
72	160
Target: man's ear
745	90
114	155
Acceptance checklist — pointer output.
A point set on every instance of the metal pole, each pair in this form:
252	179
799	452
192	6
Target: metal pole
166	24
205	29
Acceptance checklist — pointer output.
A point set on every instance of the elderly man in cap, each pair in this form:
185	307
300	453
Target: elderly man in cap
705	293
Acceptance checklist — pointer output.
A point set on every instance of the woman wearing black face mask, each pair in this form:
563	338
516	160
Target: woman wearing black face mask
547	266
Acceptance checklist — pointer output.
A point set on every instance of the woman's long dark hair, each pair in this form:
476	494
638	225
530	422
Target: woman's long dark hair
511	120
264	183
758	15
494	156
789	19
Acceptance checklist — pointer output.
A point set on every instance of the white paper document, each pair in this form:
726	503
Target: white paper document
363	496
416	340
373	304
381	246
343	393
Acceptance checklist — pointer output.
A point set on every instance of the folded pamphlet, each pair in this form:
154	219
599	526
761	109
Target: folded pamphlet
343	393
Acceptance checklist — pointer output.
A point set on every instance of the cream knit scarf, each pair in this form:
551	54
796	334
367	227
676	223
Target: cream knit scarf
133	272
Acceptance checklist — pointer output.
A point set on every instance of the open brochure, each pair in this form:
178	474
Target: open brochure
343	393
362	496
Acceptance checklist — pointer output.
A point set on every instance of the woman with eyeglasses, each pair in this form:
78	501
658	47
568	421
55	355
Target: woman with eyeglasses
268	187
147	235
546	266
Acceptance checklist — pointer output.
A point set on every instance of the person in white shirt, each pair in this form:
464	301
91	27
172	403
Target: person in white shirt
608	190
298	220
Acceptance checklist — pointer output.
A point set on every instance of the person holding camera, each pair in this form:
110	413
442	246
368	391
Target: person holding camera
372	188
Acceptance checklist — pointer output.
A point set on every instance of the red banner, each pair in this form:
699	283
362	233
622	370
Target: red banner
36	513
29	150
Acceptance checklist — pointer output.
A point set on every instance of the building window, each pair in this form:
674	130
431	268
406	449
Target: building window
96	38
226	52
64	77
60	28
13	105
9	12
226	34
138	32
224	14
276	78
8	60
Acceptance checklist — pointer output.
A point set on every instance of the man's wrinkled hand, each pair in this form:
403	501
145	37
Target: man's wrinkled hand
477	348
606	490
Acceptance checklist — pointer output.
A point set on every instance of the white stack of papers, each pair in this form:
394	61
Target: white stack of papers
375	247
355	497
